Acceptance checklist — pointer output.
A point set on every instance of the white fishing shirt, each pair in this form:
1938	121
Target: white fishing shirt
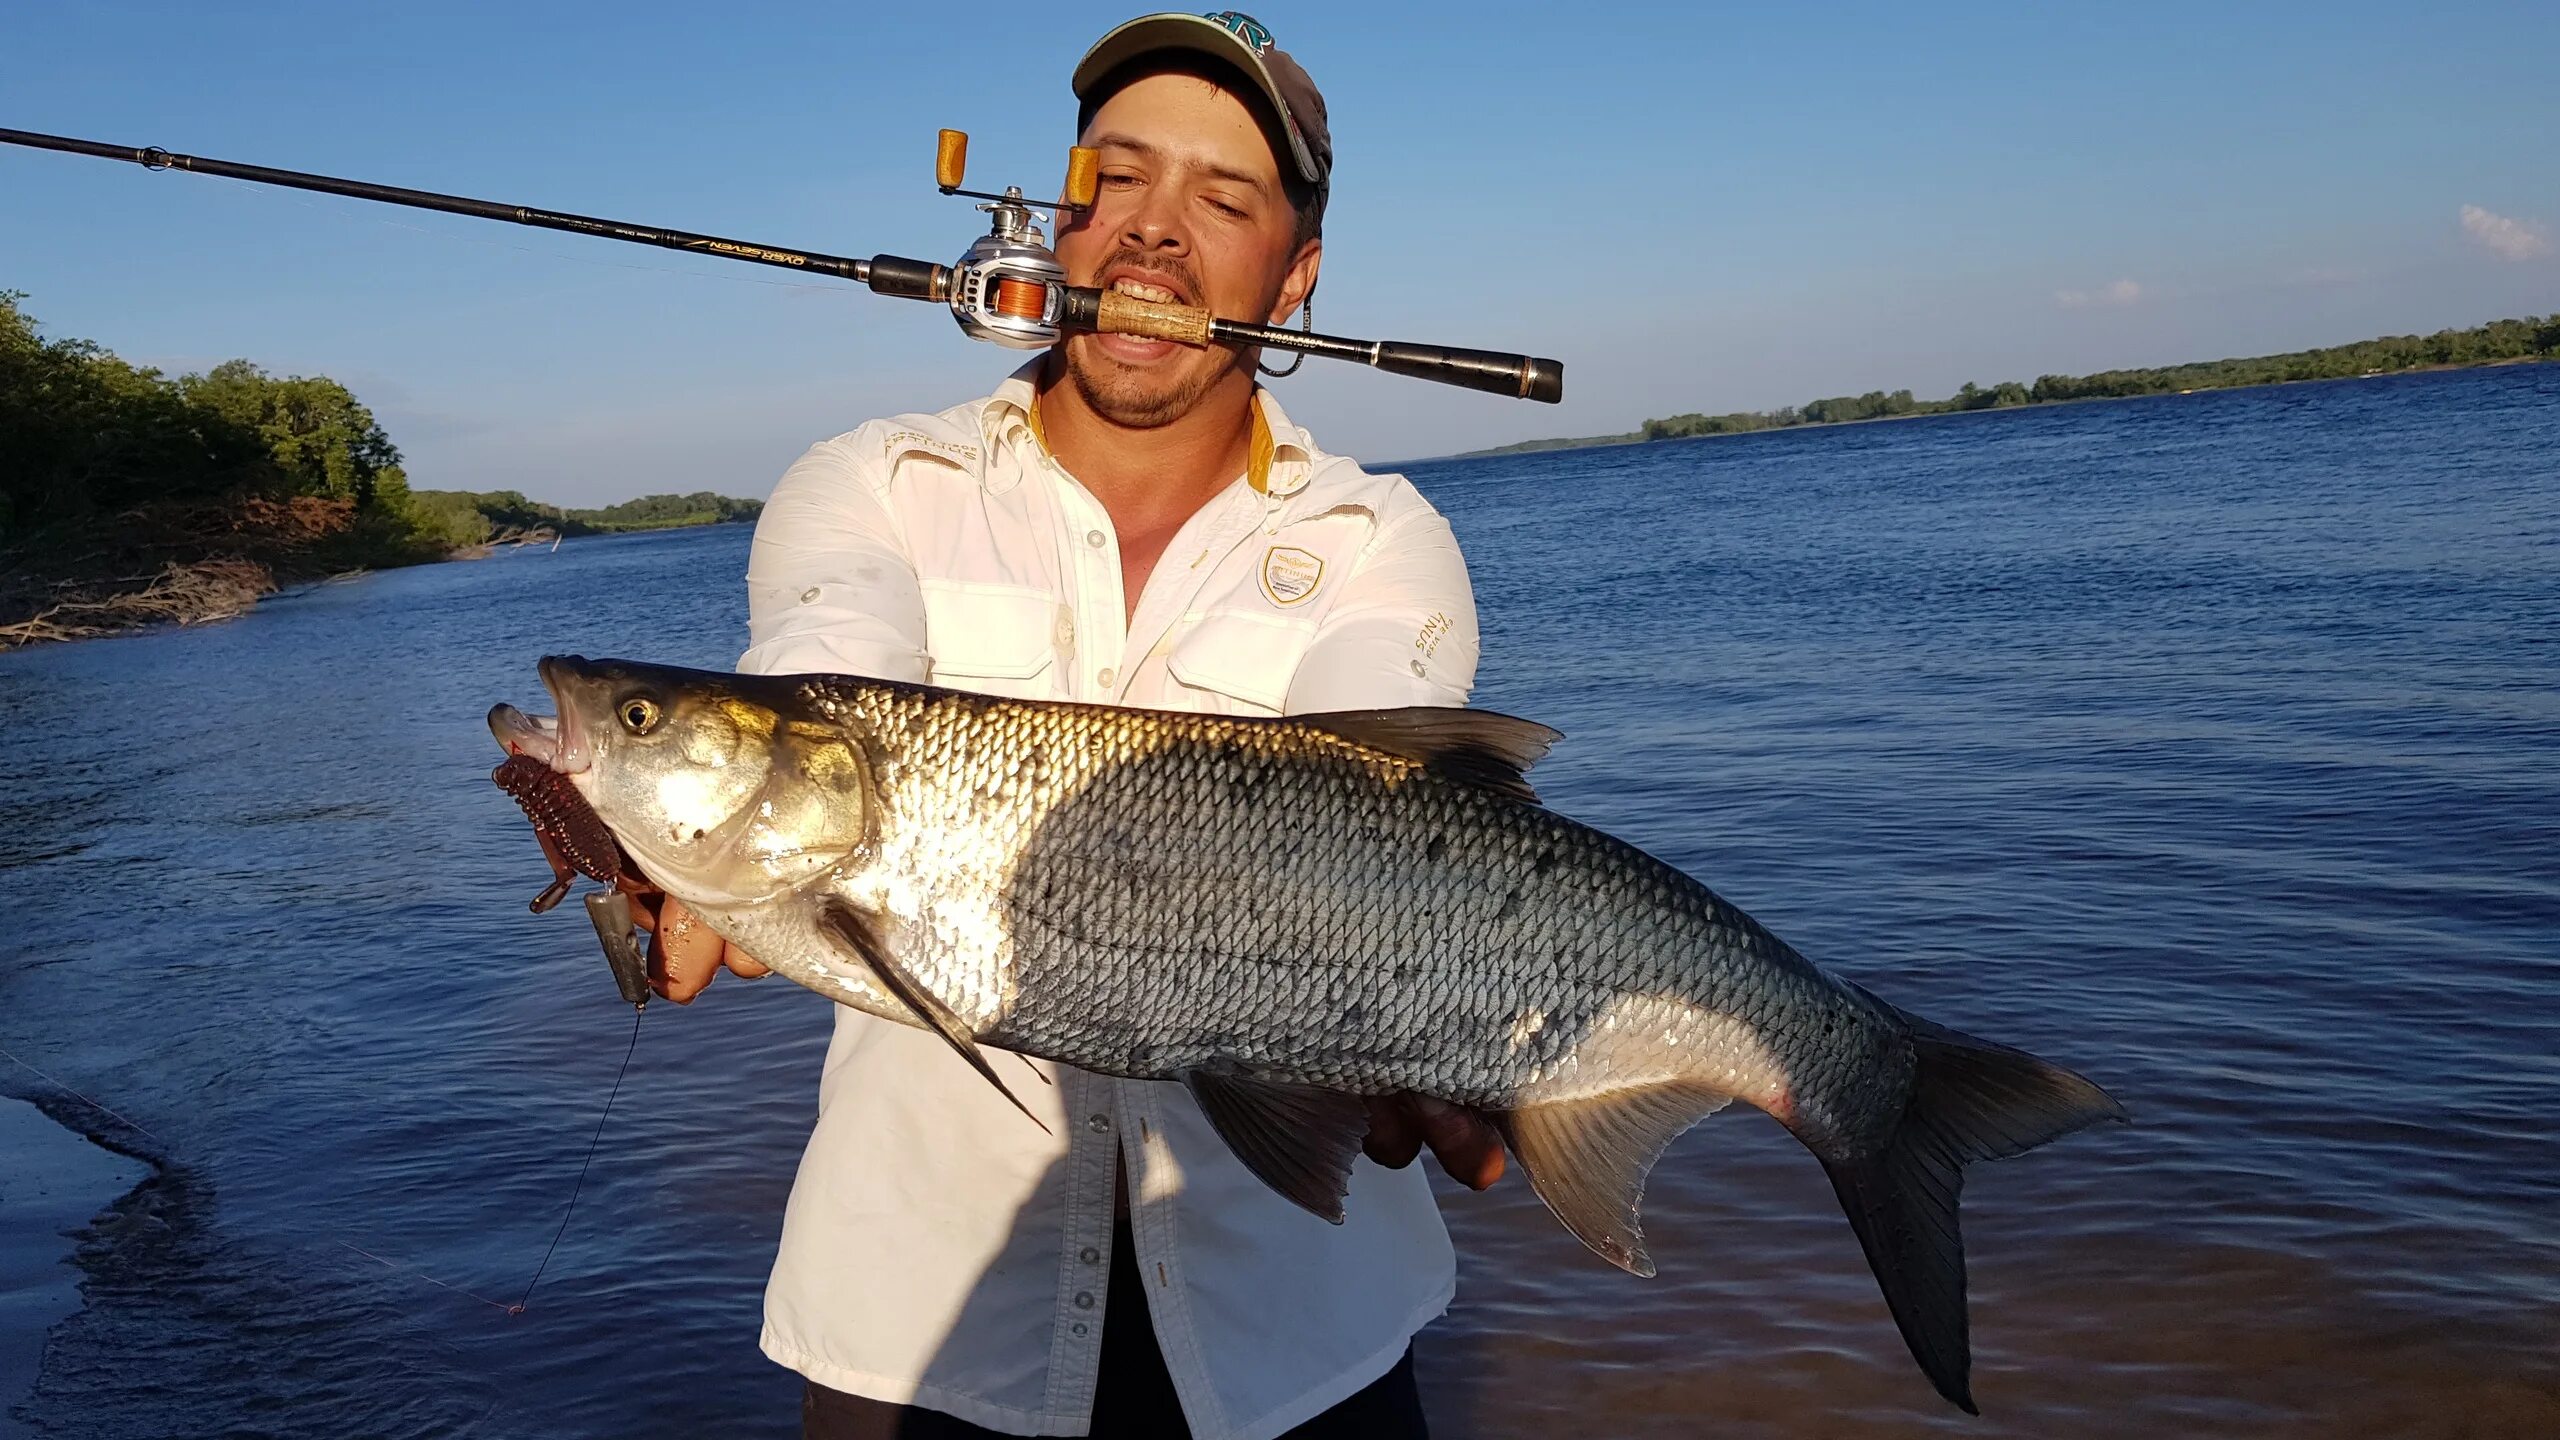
938	1248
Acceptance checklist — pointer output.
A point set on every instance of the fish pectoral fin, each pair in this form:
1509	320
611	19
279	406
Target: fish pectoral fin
854	931
1588	1158
1478	747
1298	1139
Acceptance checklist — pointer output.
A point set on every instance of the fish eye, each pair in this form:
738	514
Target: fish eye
639	714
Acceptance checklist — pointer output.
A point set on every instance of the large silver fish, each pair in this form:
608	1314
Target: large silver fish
1288	915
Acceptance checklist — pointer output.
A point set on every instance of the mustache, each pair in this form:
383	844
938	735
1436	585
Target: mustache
1184	278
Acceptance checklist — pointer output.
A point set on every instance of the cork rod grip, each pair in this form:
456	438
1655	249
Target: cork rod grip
1120	314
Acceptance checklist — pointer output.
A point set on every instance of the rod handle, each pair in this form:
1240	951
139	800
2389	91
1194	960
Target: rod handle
1522	377
1118	314
909	279
950	158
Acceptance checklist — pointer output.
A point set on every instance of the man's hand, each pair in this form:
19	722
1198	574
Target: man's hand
684	953
1465	1143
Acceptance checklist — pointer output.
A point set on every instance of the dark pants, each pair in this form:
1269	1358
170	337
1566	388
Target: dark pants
1133	1399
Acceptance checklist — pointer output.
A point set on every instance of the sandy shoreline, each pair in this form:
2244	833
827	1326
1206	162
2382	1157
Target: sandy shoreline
52	1180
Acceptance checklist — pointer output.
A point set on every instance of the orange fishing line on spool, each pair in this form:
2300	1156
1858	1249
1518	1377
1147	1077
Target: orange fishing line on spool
1025	299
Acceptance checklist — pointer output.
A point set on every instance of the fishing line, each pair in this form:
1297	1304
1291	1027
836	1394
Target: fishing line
74	1094
636	1013
593	1143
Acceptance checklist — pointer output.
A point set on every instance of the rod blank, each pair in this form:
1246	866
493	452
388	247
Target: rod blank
1080	307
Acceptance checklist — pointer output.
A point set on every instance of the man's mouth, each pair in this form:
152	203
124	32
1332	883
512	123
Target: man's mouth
1135	285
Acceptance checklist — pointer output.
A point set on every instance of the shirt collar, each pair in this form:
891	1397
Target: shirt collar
1278	457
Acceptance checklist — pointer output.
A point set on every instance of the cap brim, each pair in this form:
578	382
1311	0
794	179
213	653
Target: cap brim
1175	31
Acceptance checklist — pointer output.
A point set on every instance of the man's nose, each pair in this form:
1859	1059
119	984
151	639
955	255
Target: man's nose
1156	225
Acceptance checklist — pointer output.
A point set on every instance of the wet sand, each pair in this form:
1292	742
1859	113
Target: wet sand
51	1181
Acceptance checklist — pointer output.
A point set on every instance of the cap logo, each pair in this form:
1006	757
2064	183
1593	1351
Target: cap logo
1244	27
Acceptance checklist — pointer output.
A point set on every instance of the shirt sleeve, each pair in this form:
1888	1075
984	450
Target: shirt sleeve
1403	632
830	587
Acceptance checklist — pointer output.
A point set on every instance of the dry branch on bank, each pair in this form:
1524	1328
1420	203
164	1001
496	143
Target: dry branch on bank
184	594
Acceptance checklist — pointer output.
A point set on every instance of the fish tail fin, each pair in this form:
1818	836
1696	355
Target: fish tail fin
1970	1100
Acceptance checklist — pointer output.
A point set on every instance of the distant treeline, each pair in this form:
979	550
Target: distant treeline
83	434
86	438
463	518
129	497
2531	338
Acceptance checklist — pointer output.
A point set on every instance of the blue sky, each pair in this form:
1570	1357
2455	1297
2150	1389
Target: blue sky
1695	208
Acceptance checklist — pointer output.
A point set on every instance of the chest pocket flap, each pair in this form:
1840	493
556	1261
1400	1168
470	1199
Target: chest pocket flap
1243	656
978	632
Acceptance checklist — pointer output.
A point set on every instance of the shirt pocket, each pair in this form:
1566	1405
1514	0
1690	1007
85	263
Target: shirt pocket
1247	659
995	638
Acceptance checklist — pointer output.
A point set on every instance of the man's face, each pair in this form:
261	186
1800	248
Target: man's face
1191	210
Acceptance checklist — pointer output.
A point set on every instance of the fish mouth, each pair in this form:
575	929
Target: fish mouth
560	741
518	733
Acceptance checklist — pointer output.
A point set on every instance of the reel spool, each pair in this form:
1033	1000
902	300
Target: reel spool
1008	286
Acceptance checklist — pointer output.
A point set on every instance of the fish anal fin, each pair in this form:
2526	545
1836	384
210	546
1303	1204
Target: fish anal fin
854	931
1298	1139
1478	747
1588	1157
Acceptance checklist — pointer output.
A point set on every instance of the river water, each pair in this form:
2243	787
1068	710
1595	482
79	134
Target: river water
2209	744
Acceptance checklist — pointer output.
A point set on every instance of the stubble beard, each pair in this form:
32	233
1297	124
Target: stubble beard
1144	399
1135	399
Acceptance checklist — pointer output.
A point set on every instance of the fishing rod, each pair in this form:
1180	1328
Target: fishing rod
1008	287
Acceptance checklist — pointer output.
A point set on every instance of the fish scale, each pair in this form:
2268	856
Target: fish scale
1290	916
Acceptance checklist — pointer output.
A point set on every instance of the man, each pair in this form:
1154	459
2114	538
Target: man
1130	522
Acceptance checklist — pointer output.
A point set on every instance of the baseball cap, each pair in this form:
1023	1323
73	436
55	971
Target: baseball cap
1241	41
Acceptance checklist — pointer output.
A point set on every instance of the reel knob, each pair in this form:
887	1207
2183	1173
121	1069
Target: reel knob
1084	178
950	158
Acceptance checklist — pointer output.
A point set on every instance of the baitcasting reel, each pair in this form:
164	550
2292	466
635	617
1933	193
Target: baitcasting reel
1008	286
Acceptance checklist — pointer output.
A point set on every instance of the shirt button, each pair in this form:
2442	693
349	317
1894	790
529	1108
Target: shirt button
1106	677
1077	1328
1101	1124
1089	1255
1084	1299
809	596
1066	631
1093	538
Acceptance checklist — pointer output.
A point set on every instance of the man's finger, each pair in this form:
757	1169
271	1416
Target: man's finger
747	966
1392	1139
684	955
1464	1142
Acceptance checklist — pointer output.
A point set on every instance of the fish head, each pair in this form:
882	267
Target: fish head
720	792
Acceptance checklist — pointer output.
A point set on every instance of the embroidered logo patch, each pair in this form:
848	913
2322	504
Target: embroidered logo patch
1289	574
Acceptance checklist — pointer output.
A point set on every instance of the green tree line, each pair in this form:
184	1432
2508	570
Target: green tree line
84	434
467	517
87	439
2530	338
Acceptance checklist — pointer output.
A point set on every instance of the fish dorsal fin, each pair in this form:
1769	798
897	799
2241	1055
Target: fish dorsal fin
1298	1139
1588	1158
1480	747
853	930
